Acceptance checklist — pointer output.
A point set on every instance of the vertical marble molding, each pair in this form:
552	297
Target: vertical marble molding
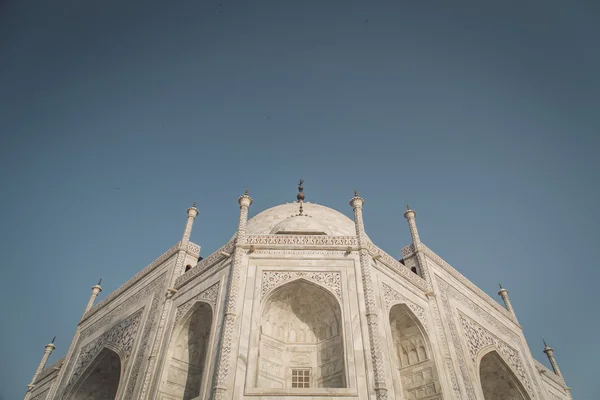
371	309
220	390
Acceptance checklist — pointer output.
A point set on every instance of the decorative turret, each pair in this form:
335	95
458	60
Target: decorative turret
232	304
192	214
371	309
96	289
412	225
48	350
504	294
550	354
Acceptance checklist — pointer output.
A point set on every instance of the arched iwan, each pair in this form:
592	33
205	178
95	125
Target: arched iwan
415	363
301	343
185	363
498	382
101	380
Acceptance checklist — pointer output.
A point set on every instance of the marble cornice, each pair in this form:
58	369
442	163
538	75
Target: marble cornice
549	373
470	285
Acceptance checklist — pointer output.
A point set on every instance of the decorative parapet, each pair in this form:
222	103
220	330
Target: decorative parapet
461	278
302	240
136	278
49	370
193	249
205	264
408	251
542	369
396	266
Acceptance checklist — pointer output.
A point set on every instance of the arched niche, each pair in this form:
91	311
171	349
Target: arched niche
415	363
186	355
301	344
101	380
498	382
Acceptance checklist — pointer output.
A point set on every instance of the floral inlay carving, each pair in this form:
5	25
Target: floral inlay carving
478	337
209	295
317	240
271	279
392	296
446	291
121	336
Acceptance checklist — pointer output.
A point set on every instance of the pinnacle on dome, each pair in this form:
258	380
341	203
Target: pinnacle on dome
300	196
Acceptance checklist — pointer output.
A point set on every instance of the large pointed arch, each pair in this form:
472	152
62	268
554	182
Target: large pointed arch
413	355
498	381
184	372
301	340
101	379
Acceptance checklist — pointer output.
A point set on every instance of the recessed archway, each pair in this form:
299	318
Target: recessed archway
498	382
414	359
186	357
301	344
101	382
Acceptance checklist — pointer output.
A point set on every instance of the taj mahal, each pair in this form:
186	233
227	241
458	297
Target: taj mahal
299	303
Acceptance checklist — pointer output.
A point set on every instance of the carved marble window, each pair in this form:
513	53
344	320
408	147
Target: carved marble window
300	377
498	382
414	361
101	380
186	357
301	333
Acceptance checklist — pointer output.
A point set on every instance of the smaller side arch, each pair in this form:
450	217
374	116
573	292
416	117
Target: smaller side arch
184	371
101	379
497	379
414	357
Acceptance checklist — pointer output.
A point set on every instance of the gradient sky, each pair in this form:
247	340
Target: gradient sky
116	115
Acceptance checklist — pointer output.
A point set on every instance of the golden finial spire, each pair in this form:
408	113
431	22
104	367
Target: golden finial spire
100	281
300	195
53	339
355	193
246	192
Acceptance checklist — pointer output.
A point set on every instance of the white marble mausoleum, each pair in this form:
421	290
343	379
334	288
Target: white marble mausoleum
300	303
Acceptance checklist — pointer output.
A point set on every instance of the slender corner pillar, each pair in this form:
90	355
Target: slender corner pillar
371	310
192	213
96	289
228	345
504	294
423	271
49	348
550	354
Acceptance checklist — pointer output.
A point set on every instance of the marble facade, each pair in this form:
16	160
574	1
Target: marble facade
298	304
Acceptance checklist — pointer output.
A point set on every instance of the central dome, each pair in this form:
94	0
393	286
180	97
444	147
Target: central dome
284	219
300	225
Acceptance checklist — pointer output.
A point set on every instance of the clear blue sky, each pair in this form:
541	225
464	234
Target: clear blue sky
116	115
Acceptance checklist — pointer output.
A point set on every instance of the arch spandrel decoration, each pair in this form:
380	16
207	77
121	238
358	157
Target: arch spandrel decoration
273	279
209	295
120	337
498	381
101	378
448	293
392	297
185	364
479	342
